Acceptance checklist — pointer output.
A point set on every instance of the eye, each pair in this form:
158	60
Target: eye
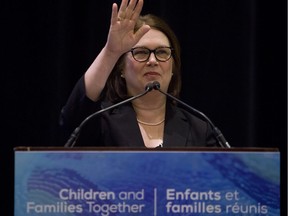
162	51
140	51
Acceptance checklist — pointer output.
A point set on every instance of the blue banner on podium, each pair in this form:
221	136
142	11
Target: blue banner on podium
108	182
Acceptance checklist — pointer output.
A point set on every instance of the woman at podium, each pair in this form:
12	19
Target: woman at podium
127	87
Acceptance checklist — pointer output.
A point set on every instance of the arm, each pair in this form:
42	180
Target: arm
121	38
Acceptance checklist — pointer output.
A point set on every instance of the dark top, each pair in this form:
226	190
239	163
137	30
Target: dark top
119	127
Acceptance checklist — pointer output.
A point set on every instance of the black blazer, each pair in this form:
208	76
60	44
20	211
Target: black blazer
119	127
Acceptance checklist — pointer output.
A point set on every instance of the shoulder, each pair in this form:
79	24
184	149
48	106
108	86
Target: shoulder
185	123
185	114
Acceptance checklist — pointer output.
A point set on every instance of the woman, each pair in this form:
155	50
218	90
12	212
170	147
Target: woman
139	50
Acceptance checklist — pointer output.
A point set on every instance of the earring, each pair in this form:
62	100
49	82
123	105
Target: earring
122	75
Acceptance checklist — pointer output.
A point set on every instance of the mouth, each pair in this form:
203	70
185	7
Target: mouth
151	74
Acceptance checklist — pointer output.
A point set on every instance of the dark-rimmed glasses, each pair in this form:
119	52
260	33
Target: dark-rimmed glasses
142	54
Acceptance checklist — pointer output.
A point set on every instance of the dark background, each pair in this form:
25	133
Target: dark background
234	56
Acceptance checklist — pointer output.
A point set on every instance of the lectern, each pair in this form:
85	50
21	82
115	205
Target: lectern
101	181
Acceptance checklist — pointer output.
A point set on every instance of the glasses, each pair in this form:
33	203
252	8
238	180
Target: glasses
142	54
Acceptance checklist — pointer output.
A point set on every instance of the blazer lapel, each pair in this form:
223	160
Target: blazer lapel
176	128
126	122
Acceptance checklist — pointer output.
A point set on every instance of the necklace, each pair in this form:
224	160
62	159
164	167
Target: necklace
150	124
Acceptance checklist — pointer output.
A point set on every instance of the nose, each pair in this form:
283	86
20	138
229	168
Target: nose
152	59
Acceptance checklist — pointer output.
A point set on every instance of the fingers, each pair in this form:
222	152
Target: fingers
114	13
131	10
122	9
137	10
143	30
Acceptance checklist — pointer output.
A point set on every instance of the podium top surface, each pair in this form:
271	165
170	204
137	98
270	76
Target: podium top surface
190	149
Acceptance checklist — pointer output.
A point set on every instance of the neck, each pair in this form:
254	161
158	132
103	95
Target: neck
150	110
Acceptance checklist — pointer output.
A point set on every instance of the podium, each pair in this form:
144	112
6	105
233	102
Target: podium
122	181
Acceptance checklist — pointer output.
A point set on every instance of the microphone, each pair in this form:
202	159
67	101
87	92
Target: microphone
74	136
217	133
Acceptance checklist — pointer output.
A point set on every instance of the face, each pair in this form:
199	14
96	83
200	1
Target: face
138	74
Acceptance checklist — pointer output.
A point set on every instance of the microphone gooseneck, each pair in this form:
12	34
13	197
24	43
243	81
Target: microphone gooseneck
218	134
74	136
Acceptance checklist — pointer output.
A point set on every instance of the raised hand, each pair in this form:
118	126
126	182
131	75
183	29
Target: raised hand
121	37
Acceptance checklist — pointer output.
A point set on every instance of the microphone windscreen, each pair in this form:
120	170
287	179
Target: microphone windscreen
149	87
156	85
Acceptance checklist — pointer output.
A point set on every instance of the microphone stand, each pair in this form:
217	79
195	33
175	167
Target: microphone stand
218	134
74	136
